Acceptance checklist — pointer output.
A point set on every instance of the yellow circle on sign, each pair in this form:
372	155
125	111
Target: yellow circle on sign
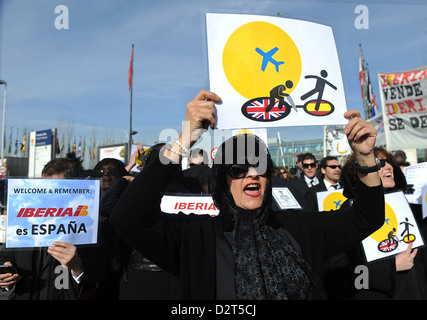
390	223
333	201
243	59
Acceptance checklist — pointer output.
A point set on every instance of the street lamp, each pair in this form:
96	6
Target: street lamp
4	121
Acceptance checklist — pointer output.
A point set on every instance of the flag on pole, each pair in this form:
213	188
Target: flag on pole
80	148
371	96
57	149
24	141
362	75
17	141
131	69
9	151
368	96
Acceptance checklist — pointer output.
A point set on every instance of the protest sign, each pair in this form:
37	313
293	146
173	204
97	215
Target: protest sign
424	200
335	141
273	72
285	199
189	203
416	175
330	200
399	229
40	211
404	106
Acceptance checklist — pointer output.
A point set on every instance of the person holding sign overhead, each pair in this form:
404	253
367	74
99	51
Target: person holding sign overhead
248	251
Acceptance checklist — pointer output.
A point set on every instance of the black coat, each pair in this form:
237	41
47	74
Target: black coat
311	195
185	245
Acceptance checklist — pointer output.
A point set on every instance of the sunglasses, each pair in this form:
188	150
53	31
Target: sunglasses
239	171
307	165
109	171
383	162
333	166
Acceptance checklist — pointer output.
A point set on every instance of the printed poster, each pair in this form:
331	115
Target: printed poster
330	200
335	142
398	231
40	211
416	175
285	199
424	201
273	72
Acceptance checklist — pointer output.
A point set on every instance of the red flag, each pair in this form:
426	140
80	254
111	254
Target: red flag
131	69
57	149
362	75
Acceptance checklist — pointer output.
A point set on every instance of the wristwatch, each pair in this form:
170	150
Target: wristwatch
361	169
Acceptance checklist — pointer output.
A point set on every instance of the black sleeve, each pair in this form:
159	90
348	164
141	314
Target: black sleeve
138	219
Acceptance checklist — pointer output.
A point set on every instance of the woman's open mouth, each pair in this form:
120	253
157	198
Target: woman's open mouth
253	189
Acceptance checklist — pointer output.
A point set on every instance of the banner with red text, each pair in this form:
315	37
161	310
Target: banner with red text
404	106
189	203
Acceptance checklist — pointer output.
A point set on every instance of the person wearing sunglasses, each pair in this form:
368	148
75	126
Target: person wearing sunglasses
331	170
309	176
399	277
108	170
248	251
309	168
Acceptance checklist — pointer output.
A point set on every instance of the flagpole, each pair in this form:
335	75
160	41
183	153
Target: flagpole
4	120
384	115
281	150
131	93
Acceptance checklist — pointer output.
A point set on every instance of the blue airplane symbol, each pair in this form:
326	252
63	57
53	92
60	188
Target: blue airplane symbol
337	204
268	57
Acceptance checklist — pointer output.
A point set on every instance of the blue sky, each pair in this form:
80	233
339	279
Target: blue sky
79	76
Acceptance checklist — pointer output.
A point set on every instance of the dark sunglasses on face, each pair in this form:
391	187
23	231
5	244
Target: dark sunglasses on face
239	171
383	162
306	165
333	166
109	171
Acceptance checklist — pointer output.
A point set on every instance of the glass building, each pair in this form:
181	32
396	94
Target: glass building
290	150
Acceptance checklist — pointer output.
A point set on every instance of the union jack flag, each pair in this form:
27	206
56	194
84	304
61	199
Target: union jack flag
380	125
257	109
387	245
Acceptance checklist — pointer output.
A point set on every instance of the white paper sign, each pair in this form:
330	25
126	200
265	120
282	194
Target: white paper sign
399	229
40	211
417	176
273	72
330	200
285	199
424	201
197	204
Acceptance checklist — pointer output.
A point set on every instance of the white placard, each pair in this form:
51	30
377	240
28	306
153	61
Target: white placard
197	204
330	200
399	229
285	199
273	72
40	211
417	176
424	201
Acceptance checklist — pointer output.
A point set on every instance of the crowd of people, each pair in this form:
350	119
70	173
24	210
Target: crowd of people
251	250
